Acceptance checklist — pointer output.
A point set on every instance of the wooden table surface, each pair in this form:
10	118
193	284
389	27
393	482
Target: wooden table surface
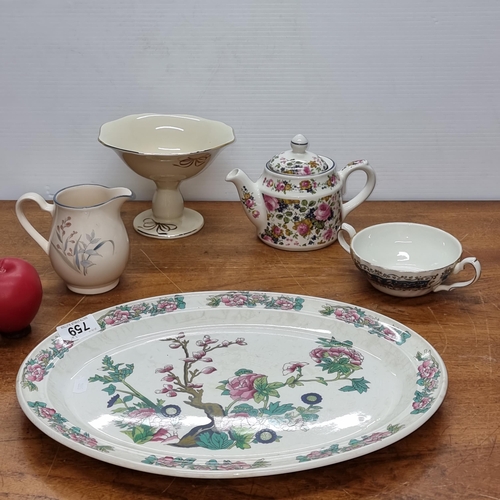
453	455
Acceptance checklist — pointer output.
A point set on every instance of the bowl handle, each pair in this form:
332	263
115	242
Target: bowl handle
350	231
459	267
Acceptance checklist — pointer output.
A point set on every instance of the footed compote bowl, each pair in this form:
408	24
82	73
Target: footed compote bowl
166	149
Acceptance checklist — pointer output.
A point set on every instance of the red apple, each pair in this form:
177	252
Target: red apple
20	296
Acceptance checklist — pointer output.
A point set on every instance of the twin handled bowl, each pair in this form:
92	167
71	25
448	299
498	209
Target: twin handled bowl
405	259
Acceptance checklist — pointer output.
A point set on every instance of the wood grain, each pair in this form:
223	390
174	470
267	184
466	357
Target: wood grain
454	455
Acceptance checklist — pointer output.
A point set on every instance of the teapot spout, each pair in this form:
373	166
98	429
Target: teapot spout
250	197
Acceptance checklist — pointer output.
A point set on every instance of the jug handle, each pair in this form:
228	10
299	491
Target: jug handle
47	207
367	189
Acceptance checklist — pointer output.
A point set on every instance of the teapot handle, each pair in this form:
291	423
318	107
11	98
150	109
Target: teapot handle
367	189
47	207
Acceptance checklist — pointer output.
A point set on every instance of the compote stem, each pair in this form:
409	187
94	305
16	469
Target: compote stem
168	203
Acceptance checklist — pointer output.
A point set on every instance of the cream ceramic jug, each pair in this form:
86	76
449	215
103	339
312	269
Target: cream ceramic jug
297	204
88	244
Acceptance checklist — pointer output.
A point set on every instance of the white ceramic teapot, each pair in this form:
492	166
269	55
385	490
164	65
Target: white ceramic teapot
296	204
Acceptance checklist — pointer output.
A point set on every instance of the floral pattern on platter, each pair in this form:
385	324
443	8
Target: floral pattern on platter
136	311
428	377
189	463
358	317
39	366
76	251
247	417
311	186
353	444
36	369
301	223
250	410
64	428
248	299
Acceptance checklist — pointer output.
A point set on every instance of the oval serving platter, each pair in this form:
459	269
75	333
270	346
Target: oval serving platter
232	384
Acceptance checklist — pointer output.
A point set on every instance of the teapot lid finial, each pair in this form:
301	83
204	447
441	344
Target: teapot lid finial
299	144
298	161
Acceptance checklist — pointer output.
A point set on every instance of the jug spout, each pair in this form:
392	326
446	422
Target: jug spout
120	195
251	198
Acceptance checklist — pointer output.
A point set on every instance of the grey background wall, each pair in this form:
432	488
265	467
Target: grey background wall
414	87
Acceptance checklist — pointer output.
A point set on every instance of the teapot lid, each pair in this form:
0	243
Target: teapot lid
298	161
